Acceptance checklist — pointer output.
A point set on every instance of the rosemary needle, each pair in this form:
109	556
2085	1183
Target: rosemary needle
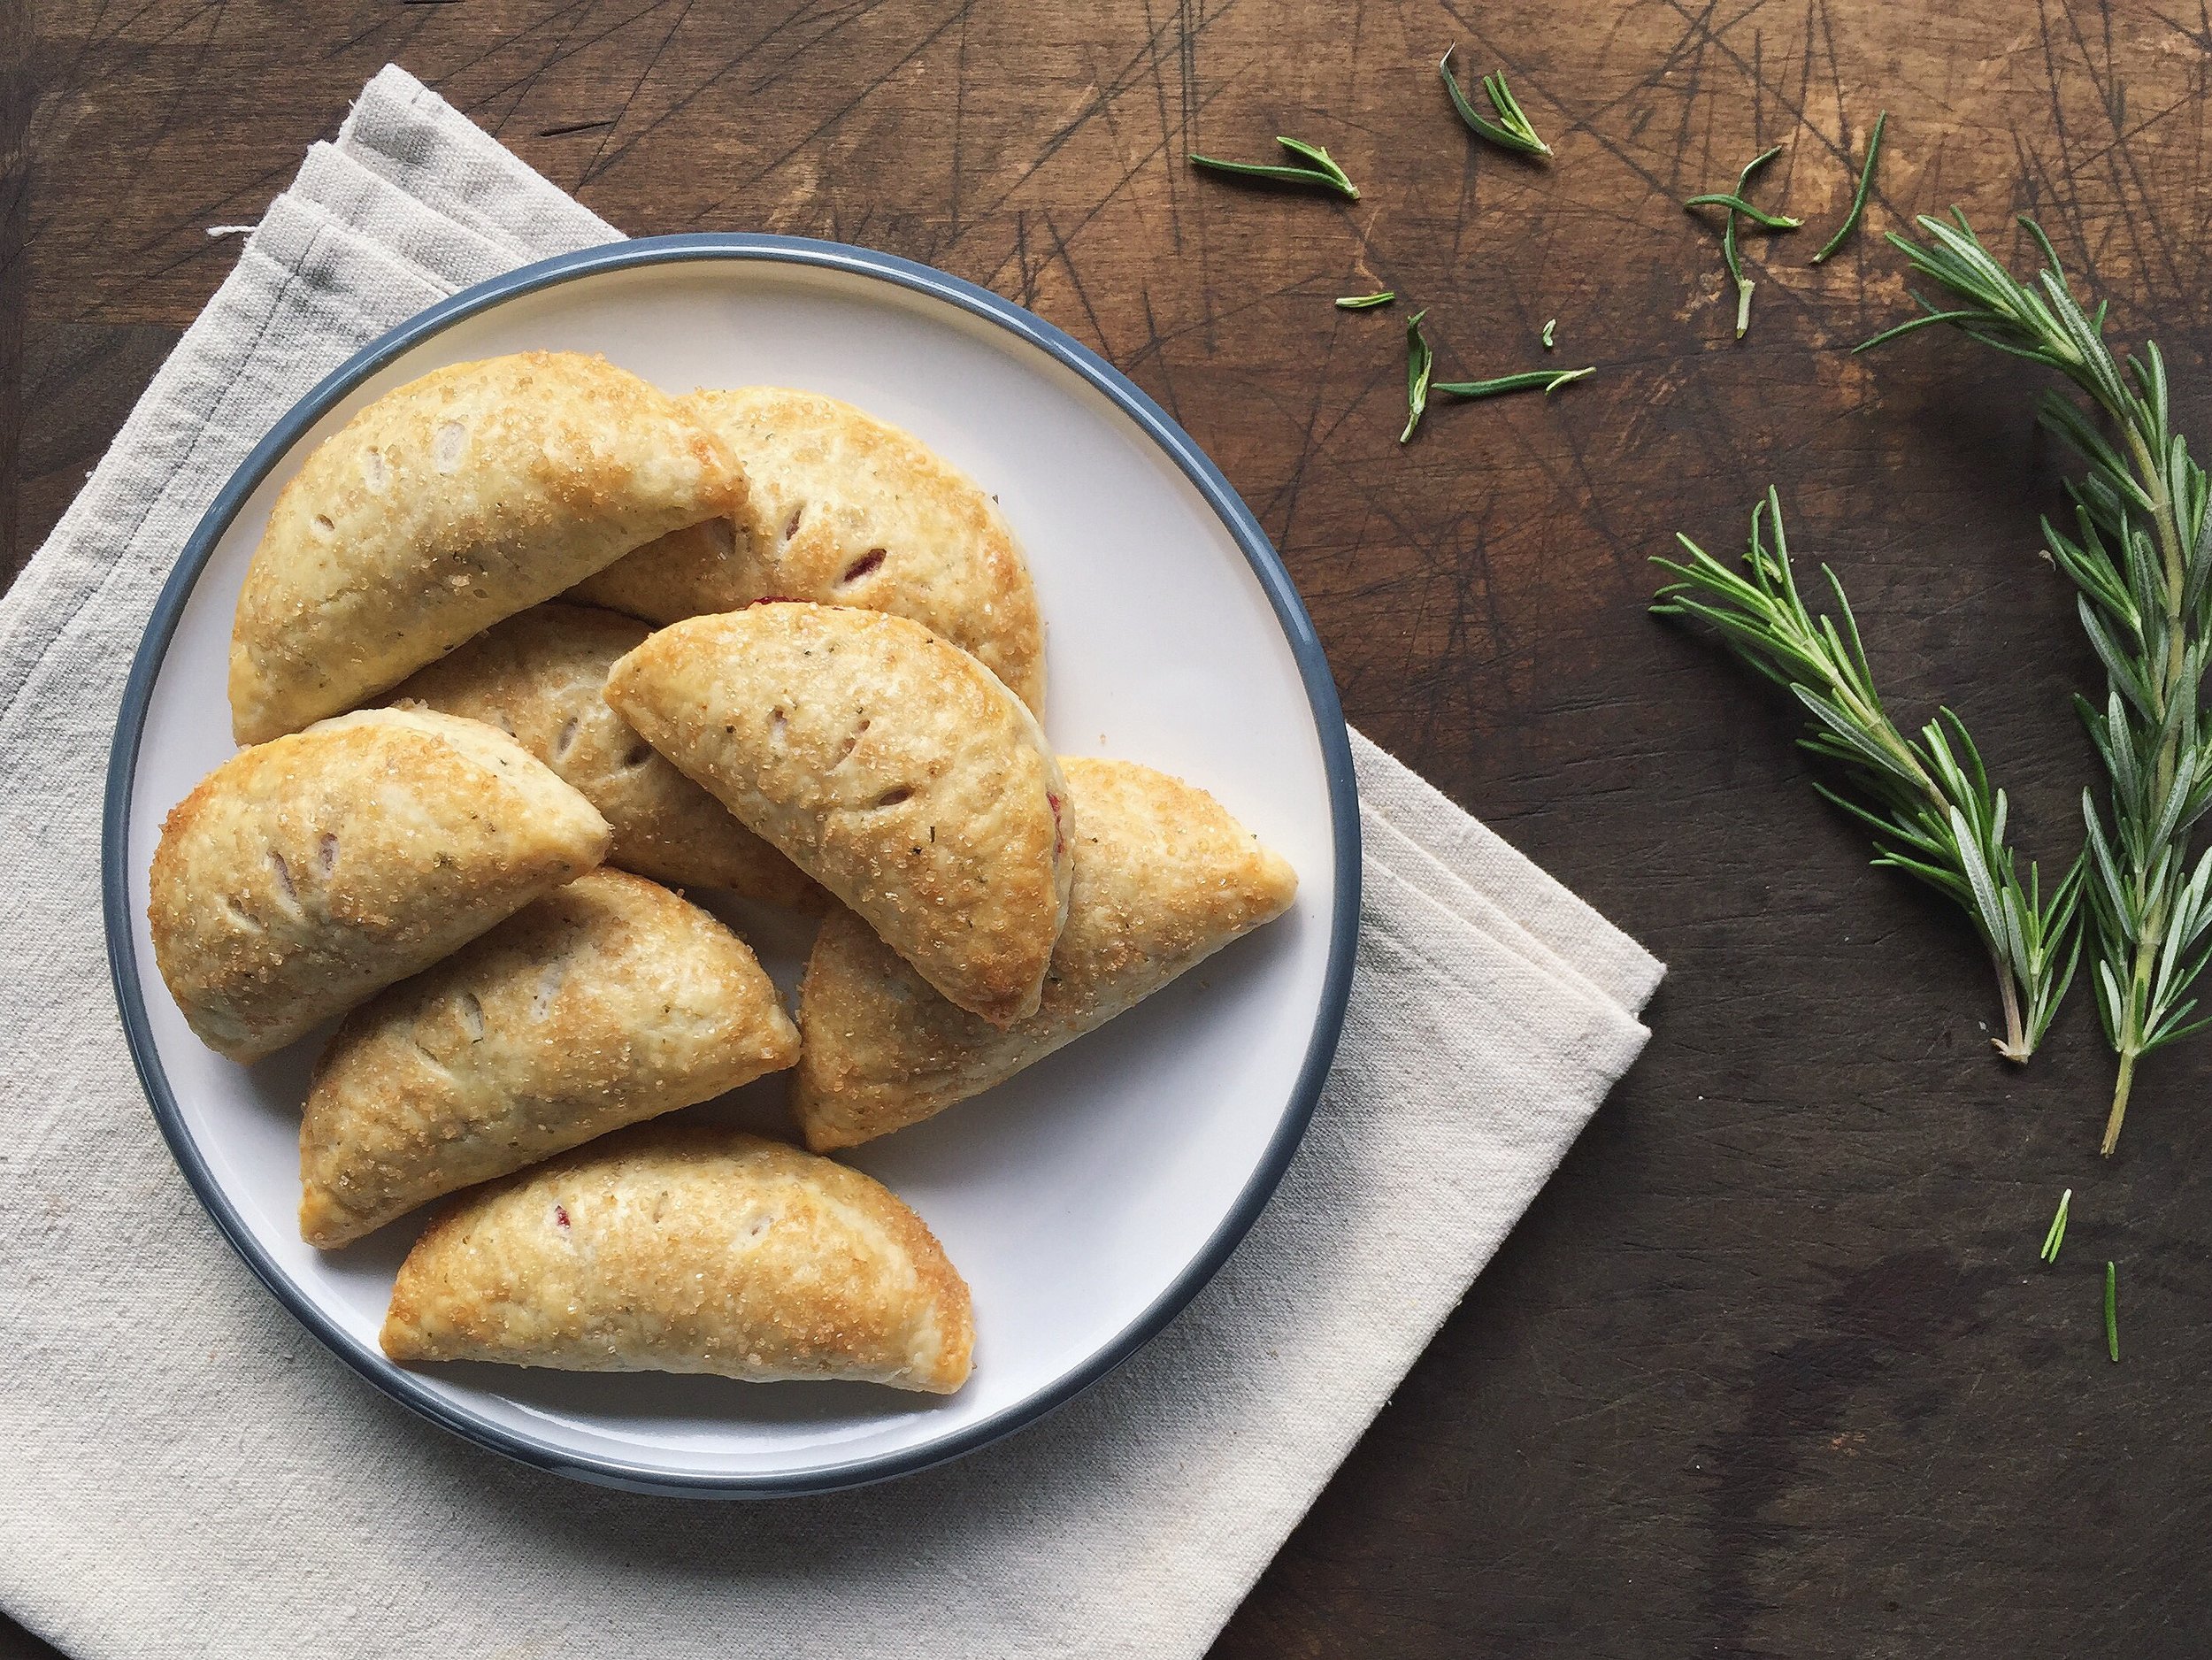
1549	344
1511	130
1735	203
2056	1237
1529	381
1317	167
1420	363
1858	200
1366	301
2112	1312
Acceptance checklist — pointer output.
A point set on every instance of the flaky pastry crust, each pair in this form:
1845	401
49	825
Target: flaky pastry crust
305	874
1164	878
448	504
682	1247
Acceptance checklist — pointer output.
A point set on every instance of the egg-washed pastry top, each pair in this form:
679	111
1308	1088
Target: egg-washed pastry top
1164	878
305	874
607	1001
687	1248
844	510
893	768
540	677
448	504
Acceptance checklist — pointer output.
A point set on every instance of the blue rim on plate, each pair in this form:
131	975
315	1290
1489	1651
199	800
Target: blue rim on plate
1220	496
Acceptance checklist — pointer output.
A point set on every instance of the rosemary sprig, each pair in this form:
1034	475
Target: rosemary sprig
1735	203
1316	166
2142	563
1420	363
2112	1312
1528	380
2056	1237
1858	200
1511	130
1549	344
1366	301
1928	802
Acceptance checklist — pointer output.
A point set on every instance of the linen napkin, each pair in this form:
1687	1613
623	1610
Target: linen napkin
183	1471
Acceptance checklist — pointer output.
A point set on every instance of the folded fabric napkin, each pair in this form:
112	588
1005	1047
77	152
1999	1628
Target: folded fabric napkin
184	1471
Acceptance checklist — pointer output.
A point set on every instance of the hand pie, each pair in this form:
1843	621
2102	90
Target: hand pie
539	677
845	511
304	874
894	769
1164	878
446	505
686	1247
609	1001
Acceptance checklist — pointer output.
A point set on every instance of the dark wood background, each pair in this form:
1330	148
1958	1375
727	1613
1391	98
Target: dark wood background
1770	1369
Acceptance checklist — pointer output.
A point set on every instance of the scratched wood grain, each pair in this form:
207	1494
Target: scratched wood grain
1770	1369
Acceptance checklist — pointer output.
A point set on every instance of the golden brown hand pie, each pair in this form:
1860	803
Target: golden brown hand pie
306	873
686	1248
446	505
845	511
539	676
894	769
607	1001
1164	878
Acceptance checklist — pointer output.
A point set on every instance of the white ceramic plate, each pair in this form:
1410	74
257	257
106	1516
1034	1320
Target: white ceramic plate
1086	1201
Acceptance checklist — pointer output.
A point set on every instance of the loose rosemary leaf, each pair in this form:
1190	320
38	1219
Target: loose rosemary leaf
2139	557
1549	326
1735	202
1320	159
1316	166
1366	301
2112	1312
1548	381
1512	129
2056	1237
1858	199
1927	801
1420	363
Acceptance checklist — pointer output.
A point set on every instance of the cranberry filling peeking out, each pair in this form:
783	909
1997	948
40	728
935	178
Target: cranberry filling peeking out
560	1215
1059	835
860	568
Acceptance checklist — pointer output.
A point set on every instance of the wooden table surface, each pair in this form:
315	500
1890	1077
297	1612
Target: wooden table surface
1770	1368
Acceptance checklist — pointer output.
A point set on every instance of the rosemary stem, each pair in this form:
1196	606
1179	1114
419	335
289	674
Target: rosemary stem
2119	1102
2173	557
2015	1047
2128	1041
1878	726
